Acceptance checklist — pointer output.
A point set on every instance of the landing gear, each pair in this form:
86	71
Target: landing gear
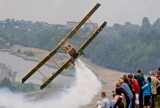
72	61
82	53
74	56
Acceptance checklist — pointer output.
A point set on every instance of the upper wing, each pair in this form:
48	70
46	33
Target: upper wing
85	44
76	28
80	49
55	74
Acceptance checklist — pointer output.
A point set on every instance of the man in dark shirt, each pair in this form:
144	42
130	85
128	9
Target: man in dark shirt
125	94
140	79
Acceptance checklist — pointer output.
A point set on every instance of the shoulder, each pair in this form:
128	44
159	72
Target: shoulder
154	78
141	77
135	76
105	100
150	83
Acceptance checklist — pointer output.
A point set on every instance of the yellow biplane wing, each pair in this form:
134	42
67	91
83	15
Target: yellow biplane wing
74	30
84	45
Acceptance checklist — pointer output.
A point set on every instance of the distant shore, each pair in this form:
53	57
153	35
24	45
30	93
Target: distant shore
38	55
108	77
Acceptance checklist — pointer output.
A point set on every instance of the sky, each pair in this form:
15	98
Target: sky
61	11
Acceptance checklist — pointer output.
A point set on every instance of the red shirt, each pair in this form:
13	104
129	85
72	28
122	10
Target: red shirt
158	76
135	85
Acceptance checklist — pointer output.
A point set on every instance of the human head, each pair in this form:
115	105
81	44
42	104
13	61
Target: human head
103	94
121	80
151	73
118	91
124	76
130	76
118	85
158	72
149	79
139	71
159	68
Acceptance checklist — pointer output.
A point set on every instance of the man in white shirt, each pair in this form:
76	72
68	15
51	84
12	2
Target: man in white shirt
105	101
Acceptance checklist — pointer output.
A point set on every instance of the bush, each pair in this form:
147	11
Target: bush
17	87
29	53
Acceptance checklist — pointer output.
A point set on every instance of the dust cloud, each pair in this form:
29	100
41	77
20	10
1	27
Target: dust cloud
85	87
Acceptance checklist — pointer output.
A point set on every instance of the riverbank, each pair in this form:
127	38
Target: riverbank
36	55
108	77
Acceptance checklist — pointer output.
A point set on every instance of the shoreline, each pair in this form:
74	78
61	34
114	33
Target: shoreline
108	77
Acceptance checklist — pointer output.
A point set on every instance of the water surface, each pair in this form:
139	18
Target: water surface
22	66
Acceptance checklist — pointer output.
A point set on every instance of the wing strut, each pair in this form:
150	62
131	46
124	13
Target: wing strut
55	74
80	50
85	44
77	27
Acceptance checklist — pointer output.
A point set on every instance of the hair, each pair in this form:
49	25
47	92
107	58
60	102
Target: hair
139	71
127	81
121	80
103	94
159	68
151	72
149	79
124	76
118	84
118	92
130	75
158	72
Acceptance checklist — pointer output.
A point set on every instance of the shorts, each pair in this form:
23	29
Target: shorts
147	100
136	99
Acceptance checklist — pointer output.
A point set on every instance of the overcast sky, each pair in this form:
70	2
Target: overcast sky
60	11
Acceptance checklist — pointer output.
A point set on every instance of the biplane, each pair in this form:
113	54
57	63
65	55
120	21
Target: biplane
69	49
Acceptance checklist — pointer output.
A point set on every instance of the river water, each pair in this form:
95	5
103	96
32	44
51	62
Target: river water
24	66
81	93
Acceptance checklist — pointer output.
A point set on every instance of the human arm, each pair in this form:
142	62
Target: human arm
158	83
145	86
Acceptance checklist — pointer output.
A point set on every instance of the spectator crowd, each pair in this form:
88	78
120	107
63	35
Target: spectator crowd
134	91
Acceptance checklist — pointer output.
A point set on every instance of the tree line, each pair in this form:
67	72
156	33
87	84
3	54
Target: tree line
125	47
8	80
